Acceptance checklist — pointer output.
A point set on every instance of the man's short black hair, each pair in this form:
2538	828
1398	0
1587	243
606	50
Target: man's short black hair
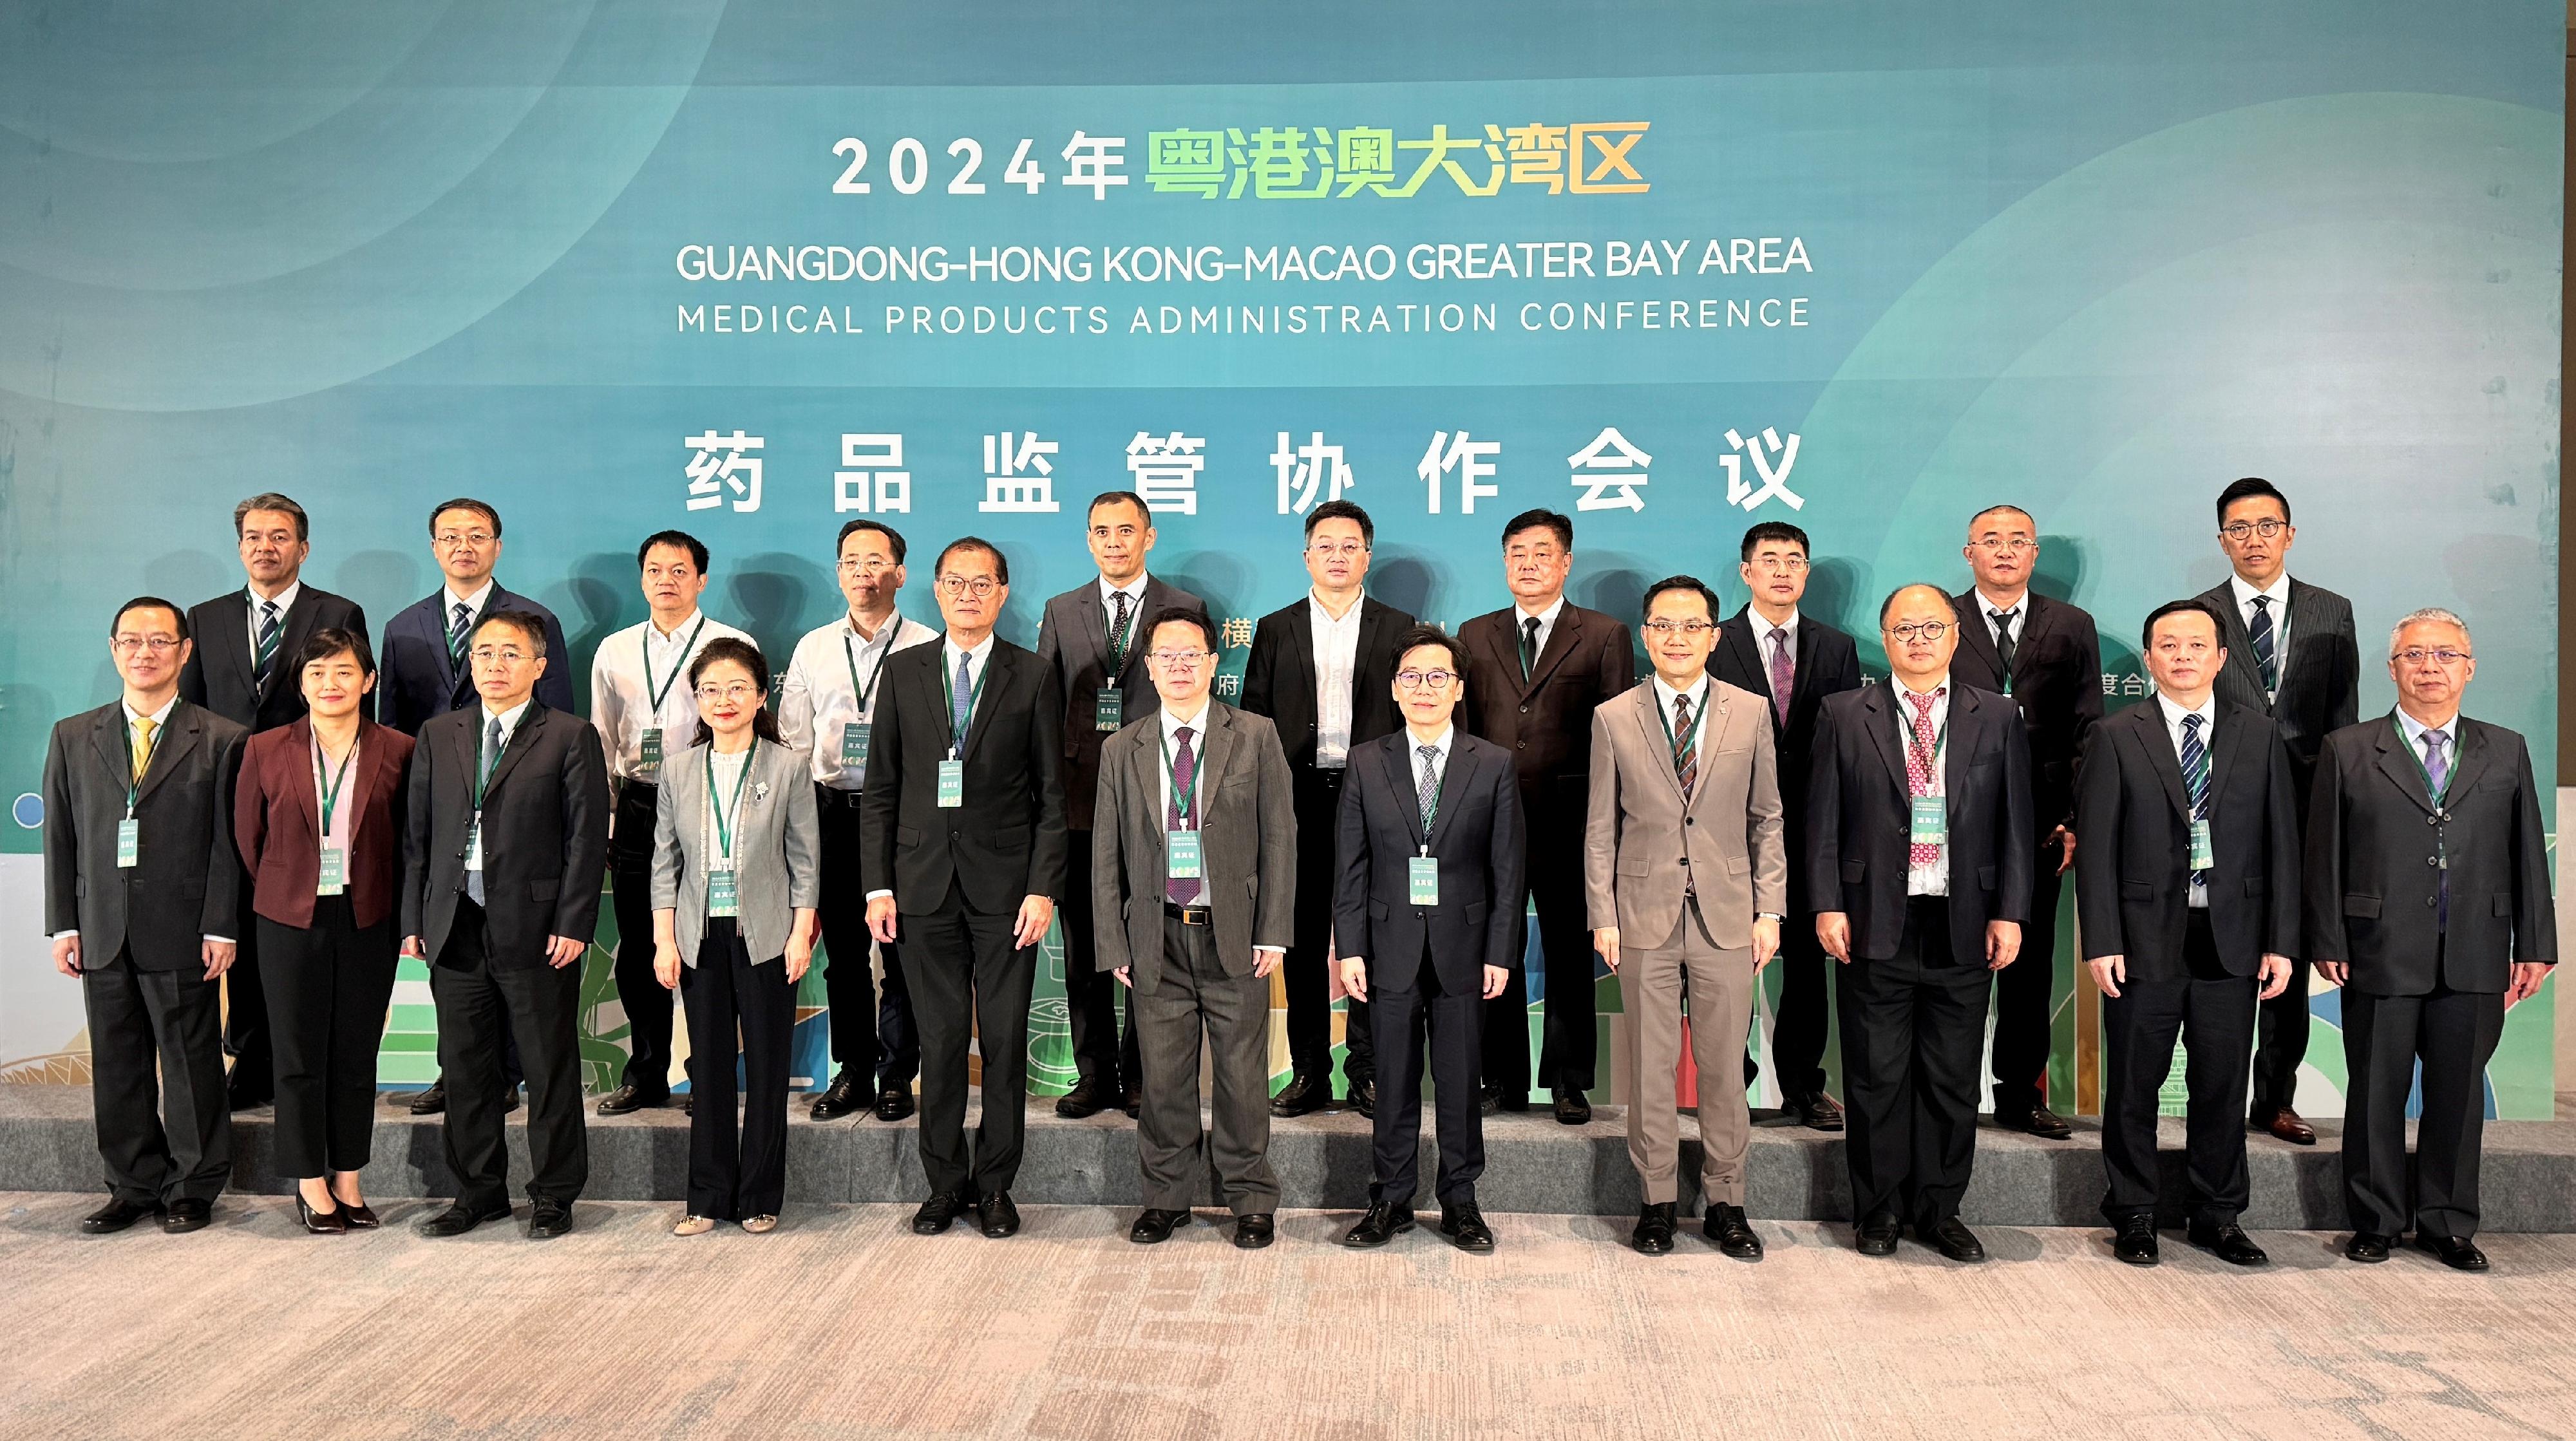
525	623
2147	632
271	500
1422	635
1343	510
464	502
1885	605
1774	530
1556	521
1001	562
148	602
1183	615
677	540
1690	583
1118	497
330	641
894	537
2252	487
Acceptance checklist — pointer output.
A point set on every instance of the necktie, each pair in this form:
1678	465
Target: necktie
2437	767
1685	747
1919	759
2195	778
1184	774
1430	788
1118	635
142	743
1784	672
2005	645
1529	646
491	757
269	631
2265	658
456	633
961	702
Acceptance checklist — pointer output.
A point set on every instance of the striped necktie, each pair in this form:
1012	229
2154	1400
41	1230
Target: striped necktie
271	627
2195	779
2265	658
1685	747
457	630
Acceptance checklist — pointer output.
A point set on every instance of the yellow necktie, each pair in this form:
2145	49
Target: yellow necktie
142	748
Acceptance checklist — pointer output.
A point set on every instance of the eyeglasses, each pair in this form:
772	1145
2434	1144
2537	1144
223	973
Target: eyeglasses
736	692
157	644
981	587
502	655
451	539
1779	564
2237	530
2417	655
1345	550
1425	679
1691	628
852	564
2006	545
1919	629
1178	658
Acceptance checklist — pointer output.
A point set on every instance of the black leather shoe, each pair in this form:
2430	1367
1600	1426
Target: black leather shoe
115	1216
1465	1227
1817	1112
509	1100
360	1218
2367	1247
241	1097
1135	1104
1254	1231
1304	1096
2228	1243
1572	1108
937	1212
1733	1234
2136	1242
844	1097
458	1219
548	1219
688	1103
997	1215
186	1216
432	1101
1956	1241
2037	1121
1876	1235
1155	1226
1363	1098
1085	1100
895	1103
1504	1098
2457	1252
1384	1222
320	1223
626	1098
1654	1233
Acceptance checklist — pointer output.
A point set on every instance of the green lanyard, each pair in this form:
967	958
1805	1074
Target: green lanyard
724	831
1172	775
331	788
1672	743
974	700
134	784
851	657
2414	752
658	693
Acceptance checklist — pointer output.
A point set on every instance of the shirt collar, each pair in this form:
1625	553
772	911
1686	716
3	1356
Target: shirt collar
473	603
1698	692
2415	729
1940	688
1988	606
2279	590
509	718
2173	713
284	600
1546	618
1324	616
1412	747
1135	590
677	633
981	653
885	633
158	718
1762	628
1197	723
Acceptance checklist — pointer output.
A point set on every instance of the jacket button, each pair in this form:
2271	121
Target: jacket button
1685	860
2428	901
2432	860
1690	820
1524	745
1524	710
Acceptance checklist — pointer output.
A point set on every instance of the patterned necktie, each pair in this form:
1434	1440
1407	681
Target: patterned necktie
2265	659
142	744
1784	672
2437	767
2195	779
491	757
1184	776
270	628
1529	646
1685	747
961	701
1118	635
1430	788
457	630
2005	645
1919	759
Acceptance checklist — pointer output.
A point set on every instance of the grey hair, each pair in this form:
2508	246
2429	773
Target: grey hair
2429	615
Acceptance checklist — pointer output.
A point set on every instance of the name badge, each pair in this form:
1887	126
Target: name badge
1181	855
720	894
474	844
1108	710
1422	880
2200	860
129	842
1931	821
952	783
335	872
854	744
651	754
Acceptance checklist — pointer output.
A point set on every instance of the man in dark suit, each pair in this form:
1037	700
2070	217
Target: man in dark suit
506	840
1088	639
963	834
1323	669
1918	862
2046	656
1428	905
1537	669
424	672
241	667
142	900
1793	662
2428	901
2187	889
2291	654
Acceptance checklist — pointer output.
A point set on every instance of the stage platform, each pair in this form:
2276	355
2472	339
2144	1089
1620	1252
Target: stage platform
1532	1165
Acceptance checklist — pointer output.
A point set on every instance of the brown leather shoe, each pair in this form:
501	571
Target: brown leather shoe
2286	1125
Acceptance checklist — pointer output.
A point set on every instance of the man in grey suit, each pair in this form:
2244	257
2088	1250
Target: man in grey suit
2290	656
2428	902
1194	802
142	894
1088	638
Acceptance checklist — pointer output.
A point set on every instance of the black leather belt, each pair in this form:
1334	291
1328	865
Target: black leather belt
1190	915
830	796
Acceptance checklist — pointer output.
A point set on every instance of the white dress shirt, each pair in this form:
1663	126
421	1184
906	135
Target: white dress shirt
621	699
1666	697
728	774
2208	714
816	699
976	660
284	600
2278	593
1437	766
1337	650
1546	625
1989	608
1932	877
160	726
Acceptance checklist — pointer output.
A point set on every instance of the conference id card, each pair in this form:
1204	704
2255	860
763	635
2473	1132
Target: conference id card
2200	860
1108	709
129	842
1181	855
952	784
854	744
474	845
334	875
720	894
1422	880
1931	822
651	753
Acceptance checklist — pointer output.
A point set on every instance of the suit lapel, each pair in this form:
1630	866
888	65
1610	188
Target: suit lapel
296	627
1648	708
306	803
1959	744
178	736
1747	645
1716	716
1974	637
1216	748
2151	733
235	631
382	773
533	720
1094	628
2226	738
2397	762
1461	770
1560	644
1398	759
2305	614
109	731
1880	704
2469	747
998	669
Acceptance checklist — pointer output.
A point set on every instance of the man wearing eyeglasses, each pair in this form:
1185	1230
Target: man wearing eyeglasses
1091	638
1320	670
2046	656
641	701
1541	666
828	706
962	851
2428	901
1793	661
1674	902
1194	869
1918	867
2292	655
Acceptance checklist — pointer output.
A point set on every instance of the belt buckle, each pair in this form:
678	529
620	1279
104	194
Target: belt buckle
1194	915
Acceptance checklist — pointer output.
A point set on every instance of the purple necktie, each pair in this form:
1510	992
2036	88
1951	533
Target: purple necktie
1184	771
1784	673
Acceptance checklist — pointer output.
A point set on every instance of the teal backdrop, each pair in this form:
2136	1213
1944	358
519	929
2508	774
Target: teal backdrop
753	268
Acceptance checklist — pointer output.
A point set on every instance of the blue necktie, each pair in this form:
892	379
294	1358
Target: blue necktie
2437	766
2264	658
269	631
457	630
491	757
2195	776
961	703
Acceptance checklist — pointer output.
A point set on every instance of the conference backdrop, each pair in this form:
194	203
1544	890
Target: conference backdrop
754	269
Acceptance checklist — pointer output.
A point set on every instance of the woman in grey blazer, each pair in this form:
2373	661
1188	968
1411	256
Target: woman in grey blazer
735	881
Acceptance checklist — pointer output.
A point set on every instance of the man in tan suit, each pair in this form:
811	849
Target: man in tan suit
1686	900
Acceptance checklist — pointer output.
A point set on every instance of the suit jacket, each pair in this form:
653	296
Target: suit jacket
2056	682
2320	690
545	832
1073	641
2374	834
218	673
1279	676
1476	837
1644	846
1544	723
185	883
777	848
1858	817
1006	841
1828	662
1248	830
416	680
2133	869
277	821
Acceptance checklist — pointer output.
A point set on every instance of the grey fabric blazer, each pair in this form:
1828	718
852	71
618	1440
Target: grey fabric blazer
776	848
1247	837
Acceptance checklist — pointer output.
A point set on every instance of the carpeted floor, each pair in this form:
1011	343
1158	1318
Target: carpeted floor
844	1323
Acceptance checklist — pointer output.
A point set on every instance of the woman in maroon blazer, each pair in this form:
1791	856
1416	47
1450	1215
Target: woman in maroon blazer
319	819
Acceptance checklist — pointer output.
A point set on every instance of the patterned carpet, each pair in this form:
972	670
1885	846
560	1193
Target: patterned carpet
844	1324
